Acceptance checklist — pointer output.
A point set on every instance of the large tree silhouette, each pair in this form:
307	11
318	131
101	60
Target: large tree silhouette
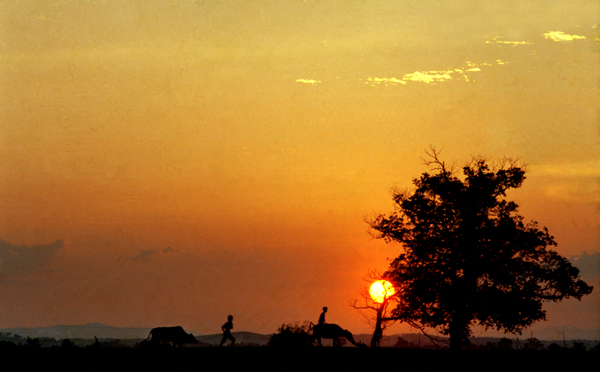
467	256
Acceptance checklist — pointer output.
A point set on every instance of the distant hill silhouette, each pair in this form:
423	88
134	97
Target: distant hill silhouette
102	331
89	330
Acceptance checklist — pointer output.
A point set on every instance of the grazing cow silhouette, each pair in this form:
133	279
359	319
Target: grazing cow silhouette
332	331
165	335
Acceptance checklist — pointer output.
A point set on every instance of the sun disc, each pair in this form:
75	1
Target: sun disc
380	290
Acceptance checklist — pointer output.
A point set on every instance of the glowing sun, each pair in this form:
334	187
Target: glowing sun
380	290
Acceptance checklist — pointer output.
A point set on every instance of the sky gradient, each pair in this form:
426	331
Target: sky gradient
171	163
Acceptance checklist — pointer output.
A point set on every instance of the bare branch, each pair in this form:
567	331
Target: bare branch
436	164
365	307
433	153
436	341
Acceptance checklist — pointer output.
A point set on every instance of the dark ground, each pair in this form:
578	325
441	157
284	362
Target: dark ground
310	359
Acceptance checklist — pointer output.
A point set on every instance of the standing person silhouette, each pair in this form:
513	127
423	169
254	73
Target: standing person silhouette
322	317
226	328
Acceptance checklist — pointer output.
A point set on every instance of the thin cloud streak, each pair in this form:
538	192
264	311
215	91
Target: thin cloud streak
308	81
576	169
500	40
146	255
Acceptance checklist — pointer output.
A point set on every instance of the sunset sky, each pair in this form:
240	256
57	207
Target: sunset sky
174	162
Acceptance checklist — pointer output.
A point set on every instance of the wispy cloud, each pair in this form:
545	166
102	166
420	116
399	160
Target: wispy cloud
25	260
432	77
145	255
428	77
588	264
579	169
574	191
561	36
500	40
169	249
385	81
573	182
308	81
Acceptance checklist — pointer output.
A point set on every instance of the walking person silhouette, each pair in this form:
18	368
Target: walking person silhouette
226	328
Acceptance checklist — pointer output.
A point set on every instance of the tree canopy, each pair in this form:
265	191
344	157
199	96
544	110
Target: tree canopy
467	255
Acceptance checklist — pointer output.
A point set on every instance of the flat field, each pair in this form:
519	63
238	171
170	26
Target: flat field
309	359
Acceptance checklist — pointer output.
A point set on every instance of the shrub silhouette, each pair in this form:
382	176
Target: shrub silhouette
505	344
578	347
554	347
7	344
292	336
66	343
33	343
404	343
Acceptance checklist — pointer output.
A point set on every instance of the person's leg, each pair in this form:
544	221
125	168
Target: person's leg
232	339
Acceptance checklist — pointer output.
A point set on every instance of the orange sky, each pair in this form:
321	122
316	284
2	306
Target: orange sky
201	158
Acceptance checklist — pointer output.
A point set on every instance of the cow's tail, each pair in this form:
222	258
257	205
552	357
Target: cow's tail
310	326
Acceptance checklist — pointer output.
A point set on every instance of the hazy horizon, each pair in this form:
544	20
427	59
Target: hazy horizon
104	331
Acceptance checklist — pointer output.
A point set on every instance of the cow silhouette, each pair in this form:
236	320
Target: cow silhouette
169	335
332	331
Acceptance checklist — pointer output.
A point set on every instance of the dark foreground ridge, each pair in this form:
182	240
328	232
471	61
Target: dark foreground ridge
312	358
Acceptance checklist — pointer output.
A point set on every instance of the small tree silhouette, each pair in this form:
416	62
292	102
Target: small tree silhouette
375	312
533	344
33	343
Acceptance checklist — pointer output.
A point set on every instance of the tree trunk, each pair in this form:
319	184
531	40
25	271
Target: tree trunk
455	336
378	329
458	330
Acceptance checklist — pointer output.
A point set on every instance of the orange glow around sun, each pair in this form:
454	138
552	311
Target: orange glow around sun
380	290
